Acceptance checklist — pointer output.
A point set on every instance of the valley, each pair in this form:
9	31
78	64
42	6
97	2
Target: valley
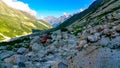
89	39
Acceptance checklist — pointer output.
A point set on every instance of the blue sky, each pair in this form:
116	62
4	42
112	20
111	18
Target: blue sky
56	7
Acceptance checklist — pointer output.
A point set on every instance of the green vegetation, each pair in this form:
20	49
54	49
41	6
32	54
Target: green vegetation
64	29
79	28
16	23
15	44
1	37
107	12
21	39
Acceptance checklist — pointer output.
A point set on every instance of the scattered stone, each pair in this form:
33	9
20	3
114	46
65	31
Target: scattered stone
21	64
64	35
115	43
6	54
21	50
36	47
62	65
48	41
94	38
81	43
118	28
2	47
49	51
104	42
35	40
8	65
43	60
117	16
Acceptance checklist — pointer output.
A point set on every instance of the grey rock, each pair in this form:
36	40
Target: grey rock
7	54
115	42
2	47
43	60
64	35
117	28
8	65
62	65
81	43
105	31
21	64
36	47
97	58
19	58
94	38
117	16
30	56
21	50
35	40
109	17
15	66
29	64
104	41
59	64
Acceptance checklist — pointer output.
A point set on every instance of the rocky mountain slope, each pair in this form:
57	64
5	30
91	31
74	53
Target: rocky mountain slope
14	23
90	40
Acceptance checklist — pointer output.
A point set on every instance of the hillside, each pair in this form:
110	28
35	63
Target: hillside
14	23
90	39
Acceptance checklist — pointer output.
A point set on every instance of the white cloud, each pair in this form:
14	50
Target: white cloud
20	6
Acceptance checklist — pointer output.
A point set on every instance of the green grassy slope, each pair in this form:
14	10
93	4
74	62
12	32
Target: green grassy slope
15	22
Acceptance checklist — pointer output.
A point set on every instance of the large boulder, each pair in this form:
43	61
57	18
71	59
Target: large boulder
115	42
94	38
117	28
15	59
81	43
6	54
104	41
93	57
21	50
117	16
36	39
36	47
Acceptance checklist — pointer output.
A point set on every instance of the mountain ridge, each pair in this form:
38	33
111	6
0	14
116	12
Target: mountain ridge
56	21
15	22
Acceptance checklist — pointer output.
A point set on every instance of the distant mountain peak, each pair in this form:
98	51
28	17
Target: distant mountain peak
56	21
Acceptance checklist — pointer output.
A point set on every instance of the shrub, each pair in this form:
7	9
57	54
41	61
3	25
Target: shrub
64	29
